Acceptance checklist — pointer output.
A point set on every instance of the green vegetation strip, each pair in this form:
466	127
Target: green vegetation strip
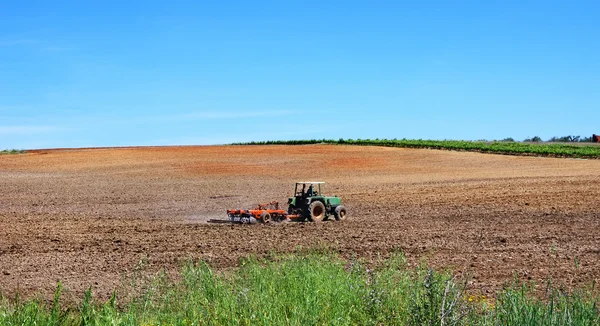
312	289
496	147
12	151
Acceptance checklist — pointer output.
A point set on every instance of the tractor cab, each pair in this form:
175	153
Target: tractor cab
307	189
304	192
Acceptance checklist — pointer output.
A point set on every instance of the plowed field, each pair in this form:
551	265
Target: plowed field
91	217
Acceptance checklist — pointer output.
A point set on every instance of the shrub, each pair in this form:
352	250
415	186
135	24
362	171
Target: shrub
12	151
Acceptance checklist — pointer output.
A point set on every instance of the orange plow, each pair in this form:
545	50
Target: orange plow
263	213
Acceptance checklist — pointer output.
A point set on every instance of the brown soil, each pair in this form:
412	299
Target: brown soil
91	217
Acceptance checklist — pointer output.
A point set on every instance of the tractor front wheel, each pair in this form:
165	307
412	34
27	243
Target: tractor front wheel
317	211
340	213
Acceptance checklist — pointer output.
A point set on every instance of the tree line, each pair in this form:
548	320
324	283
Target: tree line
563	139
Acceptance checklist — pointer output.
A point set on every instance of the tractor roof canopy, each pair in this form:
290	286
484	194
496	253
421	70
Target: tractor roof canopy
300	189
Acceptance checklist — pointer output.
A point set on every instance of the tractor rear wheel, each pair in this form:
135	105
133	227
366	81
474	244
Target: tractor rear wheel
317	211
340	213
265	217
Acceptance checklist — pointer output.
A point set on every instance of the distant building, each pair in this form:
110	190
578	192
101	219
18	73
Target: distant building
595	138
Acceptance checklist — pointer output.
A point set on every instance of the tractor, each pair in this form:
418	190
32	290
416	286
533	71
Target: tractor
309	203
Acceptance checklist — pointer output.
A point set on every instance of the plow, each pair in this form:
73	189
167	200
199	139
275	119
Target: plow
263	213
306	204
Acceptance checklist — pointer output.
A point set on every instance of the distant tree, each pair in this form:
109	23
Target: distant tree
508	139
565	139
585	140
533	139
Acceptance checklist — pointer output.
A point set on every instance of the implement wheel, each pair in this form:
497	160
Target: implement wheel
340	213
265	217
317	211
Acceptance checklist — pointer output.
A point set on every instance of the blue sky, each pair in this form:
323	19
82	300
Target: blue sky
110	73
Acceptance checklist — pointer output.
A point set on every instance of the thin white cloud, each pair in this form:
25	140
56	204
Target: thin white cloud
17	42
287	132
206	115
10	108
76	117
217	115
27	130
33	43
57	48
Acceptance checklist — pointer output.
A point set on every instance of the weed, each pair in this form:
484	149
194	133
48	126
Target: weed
312	289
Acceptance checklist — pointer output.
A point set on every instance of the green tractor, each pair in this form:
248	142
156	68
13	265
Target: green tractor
309	203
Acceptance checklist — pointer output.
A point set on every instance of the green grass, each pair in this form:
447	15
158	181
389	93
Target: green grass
516	307
313	289
12	151
495	147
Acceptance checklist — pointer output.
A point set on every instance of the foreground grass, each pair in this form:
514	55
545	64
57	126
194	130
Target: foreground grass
496	147
12	151
317	289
